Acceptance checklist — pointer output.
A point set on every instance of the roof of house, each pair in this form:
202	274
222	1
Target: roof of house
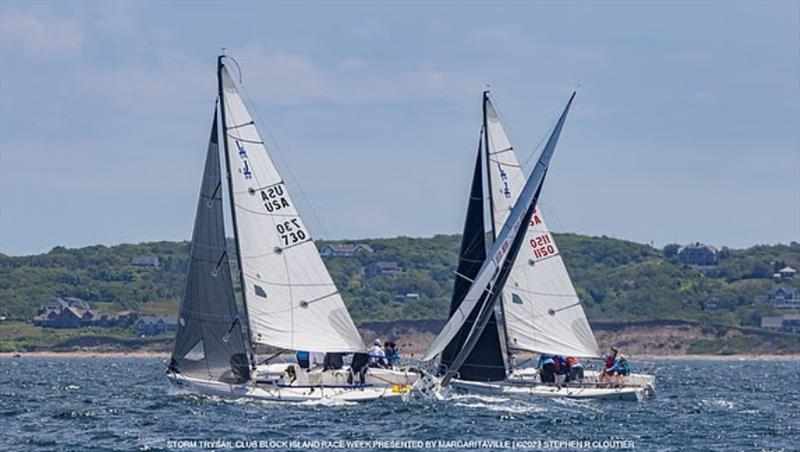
348	247
65	302
697	246
168	319
788	290
91	312
787	269
74	311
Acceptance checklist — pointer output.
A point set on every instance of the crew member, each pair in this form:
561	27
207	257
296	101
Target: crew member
377	357
547	371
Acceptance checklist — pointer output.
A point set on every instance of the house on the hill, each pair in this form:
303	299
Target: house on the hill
382	268
155	325
698	254
787	323
72	312
787	272
712	304
407	296
66	318
146	261
784	297
345	250
64	312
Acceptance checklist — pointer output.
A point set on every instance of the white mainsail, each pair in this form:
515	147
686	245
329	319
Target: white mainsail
292	302
542	311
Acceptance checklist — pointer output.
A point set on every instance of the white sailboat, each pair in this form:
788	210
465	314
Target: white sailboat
290	301
535	308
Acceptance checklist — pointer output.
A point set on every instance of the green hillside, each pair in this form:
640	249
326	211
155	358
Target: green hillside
616	279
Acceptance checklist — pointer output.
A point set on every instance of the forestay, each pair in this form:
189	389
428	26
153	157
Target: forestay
542	311
292	302
209	341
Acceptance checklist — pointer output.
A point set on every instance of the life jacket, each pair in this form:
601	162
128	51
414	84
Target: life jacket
609	362
559	364
571	361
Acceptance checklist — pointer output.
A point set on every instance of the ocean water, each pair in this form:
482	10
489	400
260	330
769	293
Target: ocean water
127	404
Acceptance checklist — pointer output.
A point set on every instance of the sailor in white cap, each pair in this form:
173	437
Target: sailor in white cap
377	357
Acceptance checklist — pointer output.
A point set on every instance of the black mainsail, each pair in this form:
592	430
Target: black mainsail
209	342
485	362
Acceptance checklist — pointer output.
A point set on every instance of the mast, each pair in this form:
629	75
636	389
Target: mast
233	206
488	163
504	344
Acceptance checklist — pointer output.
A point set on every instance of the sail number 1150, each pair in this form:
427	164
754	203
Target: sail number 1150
542	246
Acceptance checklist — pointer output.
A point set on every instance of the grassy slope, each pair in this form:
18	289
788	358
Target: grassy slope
598	265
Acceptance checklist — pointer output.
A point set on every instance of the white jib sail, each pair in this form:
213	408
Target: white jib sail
292	302
542	311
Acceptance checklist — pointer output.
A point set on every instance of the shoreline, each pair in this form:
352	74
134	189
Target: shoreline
165	355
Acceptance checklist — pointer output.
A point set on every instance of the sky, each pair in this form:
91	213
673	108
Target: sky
686	126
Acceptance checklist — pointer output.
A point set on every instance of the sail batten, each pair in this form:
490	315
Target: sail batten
292	302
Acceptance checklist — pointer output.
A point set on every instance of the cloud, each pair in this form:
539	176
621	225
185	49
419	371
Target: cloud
40	38
284	77
290	78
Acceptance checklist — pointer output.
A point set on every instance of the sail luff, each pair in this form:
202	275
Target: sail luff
229	179
489	273
209	342
499	318
487	150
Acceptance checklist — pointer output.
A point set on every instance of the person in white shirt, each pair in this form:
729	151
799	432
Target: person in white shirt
377	357
316	359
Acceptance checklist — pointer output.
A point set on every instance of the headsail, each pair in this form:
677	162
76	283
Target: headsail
209	341
541	309
495	268
292	302
485	362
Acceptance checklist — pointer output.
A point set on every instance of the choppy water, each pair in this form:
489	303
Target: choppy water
108	403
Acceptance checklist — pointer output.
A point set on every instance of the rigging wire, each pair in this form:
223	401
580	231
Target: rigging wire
283	160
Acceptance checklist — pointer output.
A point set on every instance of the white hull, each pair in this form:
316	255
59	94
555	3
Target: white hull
510	389
283	393
374	376
530	375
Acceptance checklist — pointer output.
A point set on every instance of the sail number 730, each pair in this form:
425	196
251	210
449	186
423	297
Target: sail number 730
291	231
